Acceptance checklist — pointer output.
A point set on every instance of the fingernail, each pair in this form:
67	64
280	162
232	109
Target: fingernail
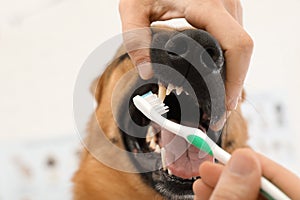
241	165
145	70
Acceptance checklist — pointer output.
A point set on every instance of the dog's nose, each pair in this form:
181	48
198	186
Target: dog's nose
191	48
195	46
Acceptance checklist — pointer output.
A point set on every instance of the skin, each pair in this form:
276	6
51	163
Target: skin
221	18
240	178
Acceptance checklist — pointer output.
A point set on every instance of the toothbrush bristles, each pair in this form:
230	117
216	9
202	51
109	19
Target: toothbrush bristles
156	103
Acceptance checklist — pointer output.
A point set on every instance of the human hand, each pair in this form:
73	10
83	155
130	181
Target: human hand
221	18
240	178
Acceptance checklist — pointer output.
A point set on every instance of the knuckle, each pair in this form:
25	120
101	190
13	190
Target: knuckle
245	43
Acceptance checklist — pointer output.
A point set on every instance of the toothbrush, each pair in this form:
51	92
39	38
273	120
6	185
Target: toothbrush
153	108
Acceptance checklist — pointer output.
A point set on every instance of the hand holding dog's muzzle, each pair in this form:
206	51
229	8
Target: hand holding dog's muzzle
223	19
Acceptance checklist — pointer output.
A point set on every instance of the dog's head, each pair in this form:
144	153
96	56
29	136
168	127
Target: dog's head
190	65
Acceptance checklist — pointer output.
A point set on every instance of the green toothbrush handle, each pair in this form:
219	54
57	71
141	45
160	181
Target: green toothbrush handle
200	144
267	190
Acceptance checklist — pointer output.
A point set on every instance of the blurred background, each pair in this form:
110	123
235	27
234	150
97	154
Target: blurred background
43	44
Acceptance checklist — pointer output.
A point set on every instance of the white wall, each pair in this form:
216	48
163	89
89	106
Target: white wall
275	67
43	44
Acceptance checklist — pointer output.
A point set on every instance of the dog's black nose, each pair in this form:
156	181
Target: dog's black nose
194	46
191	48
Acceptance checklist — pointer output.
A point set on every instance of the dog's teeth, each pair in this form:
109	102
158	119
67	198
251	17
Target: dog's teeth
179	90
152	144
161	91
157	149
149	135
170	88
163	158
169	172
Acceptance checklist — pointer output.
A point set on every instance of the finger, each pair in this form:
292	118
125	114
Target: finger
238	51
281	177
240	178
137	44
237	63
240	13
201	190
235	42
137	34
210	173
234	7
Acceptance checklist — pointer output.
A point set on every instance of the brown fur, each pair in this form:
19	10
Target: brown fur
95	180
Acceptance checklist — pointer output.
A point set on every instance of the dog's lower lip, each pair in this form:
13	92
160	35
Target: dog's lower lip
172	187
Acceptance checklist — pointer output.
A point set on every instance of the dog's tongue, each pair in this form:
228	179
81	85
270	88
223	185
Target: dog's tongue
182	159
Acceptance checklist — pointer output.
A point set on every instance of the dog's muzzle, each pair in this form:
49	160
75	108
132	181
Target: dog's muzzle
189	72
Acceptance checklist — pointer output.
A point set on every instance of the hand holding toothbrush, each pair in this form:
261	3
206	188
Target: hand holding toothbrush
240	178
153	108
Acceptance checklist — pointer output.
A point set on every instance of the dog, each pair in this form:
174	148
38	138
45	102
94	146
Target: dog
118	132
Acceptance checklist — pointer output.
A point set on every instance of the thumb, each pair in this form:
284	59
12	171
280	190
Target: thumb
240	178
137	43
137	35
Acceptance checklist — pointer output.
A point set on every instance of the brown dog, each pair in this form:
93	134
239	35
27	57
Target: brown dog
107	172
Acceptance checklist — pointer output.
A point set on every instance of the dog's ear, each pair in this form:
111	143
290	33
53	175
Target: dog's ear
94	89
97	87
101	82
